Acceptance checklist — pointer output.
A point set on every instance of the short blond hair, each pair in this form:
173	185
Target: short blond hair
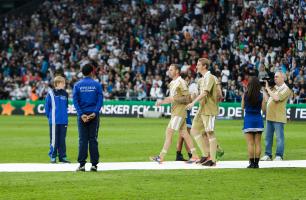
205	61
58	80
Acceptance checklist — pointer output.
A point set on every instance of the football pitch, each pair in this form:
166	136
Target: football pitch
26	140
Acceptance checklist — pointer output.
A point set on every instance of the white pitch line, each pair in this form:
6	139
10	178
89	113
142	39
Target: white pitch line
39	167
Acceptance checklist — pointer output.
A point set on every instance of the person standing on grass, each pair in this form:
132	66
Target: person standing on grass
181	141
193	90
56	105
204	121
179	97
276	116
252	103
88	100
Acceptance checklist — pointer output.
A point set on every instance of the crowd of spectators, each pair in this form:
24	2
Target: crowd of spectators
131	44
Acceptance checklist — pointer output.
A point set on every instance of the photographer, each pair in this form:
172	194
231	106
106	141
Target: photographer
276	116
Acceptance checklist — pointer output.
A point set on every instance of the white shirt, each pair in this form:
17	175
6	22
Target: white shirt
193	88
225	74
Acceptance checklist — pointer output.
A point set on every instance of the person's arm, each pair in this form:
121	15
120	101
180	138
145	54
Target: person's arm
278	96
67	98
265	96
170	99
167	100
284	94
207	87
198	98
75	96
219	92
274	96
182	99
264	101
193	96
100	100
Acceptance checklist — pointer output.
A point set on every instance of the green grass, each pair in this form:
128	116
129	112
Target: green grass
178	184
26	139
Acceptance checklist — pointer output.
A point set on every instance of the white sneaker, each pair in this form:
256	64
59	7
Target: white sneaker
278	158
265	158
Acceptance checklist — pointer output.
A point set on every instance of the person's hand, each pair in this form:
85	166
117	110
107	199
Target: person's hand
158	103
267	85
189	106
263	89
220	98
193	96
91	116
84	118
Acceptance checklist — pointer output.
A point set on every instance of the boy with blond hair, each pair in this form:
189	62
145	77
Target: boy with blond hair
56	105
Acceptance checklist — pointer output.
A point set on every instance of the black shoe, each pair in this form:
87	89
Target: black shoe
251	165
209	163
256	165
190	155
179	157
81	168
203	160
94	168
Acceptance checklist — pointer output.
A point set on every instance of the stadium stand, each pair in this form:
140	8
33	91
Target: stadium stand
131	43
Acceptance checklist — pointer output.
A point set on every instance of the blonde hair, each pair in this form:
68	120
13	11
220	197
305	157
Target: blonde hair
58	80
205	61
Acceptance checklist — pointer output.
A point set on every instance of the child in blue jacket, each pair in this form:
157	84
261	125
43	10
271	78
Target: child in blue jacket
56	110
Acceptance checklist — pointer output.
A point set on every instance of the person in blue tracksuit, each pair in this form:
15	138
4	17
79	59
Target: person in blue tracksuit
88	100
56	111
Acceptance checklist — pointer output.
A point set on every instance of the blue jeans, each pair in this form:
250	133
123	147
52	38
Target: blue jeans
278	127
